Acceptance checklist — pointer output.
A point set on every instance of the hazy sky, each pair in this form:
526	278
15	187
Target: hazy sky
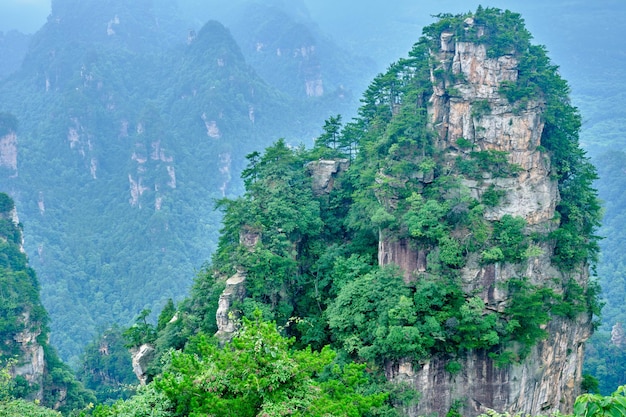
23	15
29	15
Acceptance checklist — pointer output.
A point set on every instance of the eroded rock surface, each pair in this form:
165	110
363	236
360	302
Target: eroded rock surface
141	358
324	172
226	319
31	364
548	379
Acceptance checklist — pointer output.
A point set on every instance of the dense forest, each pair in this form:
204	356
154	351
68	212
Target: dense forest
24	333
118	128
308	255
308	285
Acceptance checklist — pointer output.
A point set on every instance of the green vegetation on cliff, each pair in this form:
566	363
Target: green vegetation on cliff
310	254
128	130
257	373
33	366
399	186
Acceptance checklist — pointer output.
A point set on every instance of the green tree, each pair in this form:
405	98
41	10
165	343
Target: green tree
106	366
330	138
6	381
147	402
166	314
372	317
425	219
11	407
257	373
595	405
141	332
21	408
8	123
282	215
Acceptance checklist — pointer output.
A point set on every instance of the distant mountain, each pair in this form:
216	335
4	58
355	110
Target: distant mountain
288	50
131	125
13	47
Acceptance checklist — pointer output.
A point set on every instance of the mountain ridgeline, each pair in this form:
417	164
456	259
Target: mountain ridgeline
443	237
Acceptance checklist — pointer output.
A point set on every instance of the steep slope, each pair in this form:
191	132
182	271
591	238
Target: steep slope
24	319
37	373
287	49
475	121
453	253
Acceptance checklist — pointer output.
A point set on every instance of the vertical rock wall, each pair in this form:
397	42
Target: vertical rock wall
549	377
8	152
30	361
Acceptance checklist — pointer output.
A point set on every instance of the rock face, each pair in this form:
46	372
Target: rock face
545	382
324	172
141	358
8	152
500	126
399	252
30	361
234	291
618	338
31	365
473	110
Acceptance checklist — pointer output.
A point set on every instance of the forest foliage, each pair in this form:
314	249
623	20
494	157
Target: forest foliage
23	318
127	132
321	317
606	350
310	264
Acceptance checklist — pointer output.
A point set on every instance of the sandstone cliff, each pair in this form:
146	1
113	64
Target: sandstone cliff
38	372
547	379
31	363
226	320
141	357
21	309
324	172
